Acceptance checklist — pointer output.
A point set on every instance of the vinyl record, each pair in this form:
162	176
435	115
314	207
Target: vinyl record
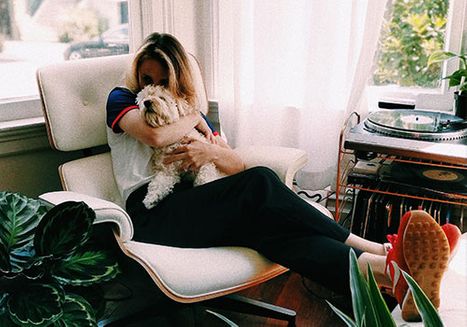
441	175
417	124
431	178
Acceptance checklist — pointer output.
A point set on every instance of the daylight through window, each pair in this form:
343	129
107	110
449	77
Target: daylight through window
34	33
413	30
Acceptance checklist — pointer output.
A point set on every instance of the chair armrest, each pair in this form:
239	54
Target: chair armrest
284	161
106	211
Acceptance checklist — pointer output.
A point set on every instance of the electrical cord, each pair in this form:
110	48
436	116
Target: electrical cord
318	196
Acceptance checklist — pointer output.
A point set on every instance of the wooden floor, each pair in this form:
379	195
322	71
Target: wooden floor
287	291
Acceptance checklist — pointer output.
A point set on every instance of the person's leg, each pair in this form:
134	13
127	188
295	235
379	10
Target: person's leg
366	245
229	211
378	266
319	258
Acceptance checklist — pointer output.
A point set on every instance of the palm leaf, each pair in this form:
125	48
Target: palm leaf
382	312
345	318
86	268
427	311
63	229
361	300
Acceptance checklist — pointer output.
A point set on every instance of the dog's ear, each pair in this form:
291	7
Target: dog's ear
184	108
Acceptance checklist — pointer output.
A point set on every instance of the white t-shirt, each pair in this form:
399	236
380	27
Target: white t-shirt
131	161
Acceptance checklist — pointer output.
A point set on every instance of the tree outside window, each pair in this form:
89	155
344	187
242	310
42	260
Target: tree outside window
414	30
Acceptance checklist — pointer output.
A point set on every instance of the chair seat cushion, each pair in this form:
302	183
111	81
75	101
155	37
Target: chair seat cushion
188	274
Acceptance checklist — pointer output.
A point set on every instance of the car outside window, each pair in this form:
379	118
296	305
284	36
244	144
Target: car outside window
43	32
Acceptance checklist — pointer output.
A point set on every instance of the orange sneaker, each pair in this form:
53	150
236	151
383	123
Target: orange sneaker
396	254
453	233
422	250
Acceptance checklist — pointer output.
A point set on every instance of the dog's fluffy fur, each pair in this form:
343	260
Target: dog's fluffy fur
159	107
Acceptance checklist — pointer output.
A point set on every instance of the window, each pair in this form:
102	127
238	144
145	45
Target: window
413	30
35	33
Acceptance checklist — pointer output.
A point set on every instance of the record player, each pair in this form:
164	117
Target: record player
427	135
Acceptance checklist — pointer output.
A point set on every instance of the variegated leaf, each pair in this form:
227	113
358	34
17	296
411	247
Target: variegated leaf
19	216
86	268
36	305
77	312
5	321
439	56
63	229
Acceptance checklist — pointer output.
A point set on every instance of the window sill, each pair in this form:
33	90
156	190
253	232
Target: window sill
30	134
22	135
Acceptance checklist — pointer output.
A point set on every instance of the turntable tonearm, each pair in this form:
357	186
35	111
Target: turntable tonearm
426	135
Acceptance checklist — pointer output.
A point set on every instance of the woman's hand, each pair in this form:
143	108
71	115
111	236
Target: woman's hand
193	154
204	129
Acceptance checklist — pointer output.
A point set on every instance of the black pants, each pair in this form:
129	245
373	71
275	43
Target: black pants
253	209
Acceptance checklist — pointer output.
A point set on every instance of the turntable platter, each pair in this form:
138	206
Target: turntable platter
417	124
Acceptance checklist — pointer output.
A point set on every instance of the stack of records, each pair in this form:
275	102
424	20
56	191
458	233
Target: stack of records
425	180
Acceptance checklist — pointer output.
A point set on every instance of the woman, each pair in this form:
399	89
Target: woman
251	208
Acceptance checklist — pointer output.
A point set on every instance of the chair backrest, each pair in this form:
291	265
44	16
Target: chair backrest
74	96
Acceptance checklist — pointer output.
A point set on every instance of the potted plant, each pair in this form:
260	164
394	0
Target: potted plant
457	78
45	258
369	307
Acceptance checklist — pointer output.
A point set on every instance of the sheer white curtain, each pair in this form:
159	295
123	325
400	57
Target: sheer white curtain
290	72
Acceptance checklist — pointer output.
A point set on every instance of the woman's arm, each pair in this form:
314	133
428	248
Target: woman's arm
133	124
194	154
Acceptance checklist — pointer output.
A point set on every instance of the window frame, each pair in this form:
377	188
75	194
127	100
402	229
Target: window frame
144	17
440	98
21	110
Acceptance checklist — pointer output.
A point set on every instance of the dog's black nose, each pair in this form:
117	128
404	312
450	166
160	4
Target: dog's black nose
147	104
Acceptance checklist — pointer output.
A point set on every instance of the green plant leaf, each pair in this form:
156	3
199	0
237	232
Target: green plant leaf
382	312
19	216
427	311
22	259
345	318
439	56
36	305
86	268
63	229
3	300
5	321
455	78
361	300
5	265
77	312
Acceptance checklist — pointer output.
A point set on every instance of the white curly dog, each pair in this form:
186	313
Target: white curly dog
158	108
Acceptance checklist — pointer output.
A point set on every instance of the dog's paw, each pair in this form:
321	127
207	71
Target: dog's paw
207	173
148	203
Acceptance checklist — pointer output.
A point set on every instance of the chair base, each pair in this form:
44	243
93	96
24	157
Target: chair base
166	311
147	302
241	304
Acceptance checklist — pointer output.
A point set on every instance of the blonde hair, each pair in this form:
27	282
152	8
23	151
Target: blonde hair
169	52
